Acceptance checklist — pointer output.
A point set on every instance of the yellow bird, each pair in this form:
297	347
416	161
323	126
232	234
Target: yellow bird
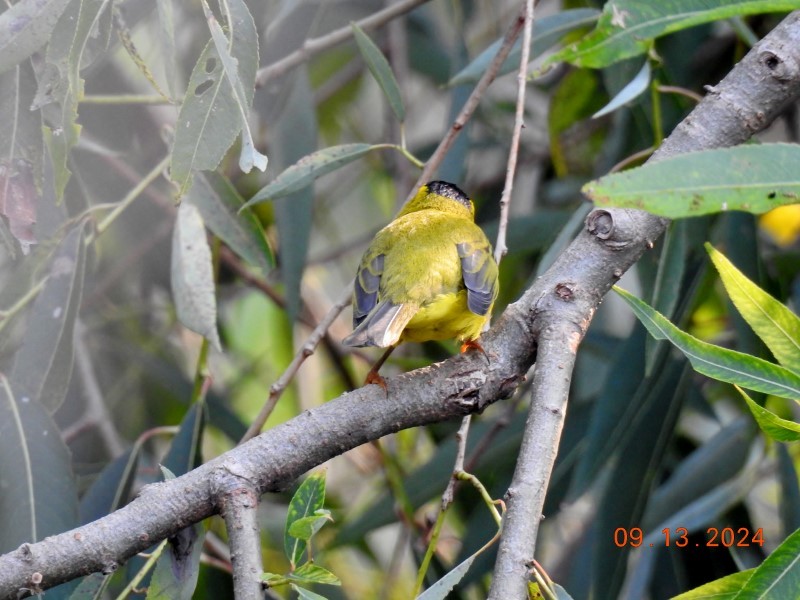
428	275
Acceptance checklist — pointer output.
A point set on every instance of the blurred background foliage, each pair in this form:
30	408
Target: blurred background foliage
647	442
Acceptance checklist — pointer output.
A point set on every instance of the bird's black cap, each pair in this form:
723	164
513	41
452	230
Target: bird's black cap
449	190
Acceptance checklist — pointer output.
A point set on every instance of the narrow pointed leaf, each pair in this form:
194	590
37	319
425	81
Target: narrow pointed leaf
442	588
778	576
35	468
381	71
716	362
724	588
777	428
304	594
775	324
547	31
192	275
25	27
752	178
307	500
43	366
221	208
250	157
635	88
628	27
210	116
307	169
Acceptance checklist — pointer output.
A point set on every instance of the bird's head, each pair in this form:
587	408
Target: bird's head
441	196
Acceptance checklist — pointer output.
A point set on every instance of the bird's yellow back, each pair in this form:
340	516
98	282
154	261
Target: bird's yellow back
428	275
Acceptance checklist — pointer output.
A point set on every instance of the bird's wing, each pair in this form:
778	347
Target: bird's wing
479	272
365	290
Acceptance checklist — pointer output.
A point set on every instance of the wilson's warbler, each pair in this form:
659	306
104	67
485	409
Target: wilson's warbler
428	275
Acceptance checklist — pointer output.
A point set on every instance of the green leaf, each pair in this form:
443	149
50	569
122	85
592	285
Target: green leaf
770	423
307	500
547	31
175	575
25	27
210	117
441	589
306	527
627	28
774	323
304	594
752	178
35	468
724	588
220	206
381	71
311	573
192	275
635	88
307	169
249	157
778	576
21	156
61	83
716	362
43	366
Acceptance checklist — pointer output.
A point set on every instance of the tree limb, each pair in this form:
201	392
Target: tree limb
564	300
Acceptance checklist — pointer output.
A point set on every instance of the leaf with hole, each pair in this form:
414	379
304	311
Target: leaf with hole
210	117
249	156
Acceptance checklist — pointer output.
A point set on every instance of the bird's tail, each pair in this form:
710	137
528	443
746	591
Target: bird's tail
383	326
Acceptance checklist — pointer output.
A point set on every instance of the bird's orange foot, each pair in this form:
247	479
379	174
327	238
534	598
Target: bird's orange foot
470	344
374	377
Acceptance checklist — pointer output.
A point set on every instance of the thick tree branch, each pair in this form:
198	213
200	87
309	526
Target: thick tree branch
564	300
557	308
239	508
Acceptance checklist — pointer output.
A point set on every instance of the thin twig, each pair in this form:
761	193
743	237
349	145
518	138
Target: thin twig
500	248
472	102
276	389
325	42
681	91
